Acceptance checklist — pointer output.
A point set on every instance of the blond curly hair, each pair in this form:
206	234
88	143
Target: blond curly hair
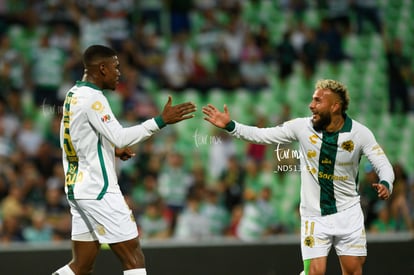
337	88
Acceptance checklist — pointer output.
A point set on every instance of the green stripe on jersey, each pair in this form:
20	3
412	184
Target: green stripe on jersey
103	168
327	159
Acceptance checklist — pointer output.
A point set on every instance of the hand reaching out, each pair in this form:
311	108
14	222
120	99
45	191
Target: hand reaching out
382	191
173	114
215	117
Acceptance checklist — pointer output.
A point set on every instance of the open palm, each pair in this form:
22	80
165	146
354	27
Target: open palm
215	117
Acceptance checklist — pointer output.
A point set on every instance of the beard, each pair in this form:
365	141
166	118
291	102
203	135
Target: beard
323	121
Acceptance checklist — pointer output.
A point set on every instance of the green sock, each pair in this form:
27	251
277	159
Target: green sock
306	265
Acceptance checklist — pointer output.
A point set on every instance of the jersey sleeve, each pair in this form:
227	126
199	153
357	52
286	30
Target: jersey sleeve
377	158
103	120
284	133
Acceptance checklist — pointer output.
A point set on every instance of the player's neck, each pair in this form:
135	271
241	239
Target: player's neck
336	124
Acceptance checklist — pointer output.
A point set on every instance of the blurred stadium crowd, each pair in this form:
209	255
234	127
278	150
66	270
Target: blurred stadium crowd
192	181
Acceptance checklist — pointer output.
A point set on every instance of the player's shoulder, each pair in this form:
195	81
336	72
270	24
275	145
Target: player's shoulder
299	122
358	126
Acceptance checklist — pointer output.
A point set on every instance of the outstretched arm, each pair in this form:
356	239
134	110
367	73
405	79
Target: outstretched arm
173	114
215	117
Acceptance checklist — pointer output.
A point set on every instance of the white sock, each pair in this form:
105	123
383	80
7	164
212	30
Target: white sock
137	271
64	271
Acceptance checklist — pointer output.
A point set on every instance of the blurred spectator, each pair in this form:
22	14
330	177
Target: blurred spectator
219	154
338	12
52	138
179	16
331	41
13	67
28	138
178	65
191	223
90	23
11	230
369	197
253	70
384	223
47	69
263	41
57	212
228	70
38	230
257	152
398	72
145	192
310	53
217	215
286	57
235	218
232	38
367	11
117	21
399	207
153	224
32	184
61	37
13	204
232	183
252	179
173	183
201	77
26	36
258	218
150	13
10	121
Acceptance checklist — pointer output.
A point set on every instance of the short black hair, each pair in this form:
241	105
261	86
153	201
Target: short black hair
96	53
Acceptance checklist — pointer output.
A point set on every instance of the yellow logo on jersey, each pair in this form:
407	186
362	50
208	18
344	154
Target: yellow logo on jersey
326	161
313	138
378	149
98	106
348	145
311	154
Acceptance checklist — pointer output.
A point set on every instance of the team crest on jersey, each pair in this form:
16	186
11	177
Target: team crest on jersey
348	145
309	241
106	118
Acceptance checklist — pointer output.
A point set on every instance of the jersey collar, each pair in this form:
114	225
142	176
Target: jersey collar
89	84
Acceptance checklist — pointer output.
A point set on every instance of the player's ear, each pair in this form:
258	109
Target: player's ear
102	68
336	107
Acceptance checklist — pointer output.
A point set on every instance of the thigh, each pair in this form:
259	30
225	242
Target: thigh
316	239
110	219
84	255
350	237
130	253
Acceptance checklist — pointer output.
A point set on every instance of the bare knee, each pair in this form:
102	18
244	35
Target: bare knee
130	254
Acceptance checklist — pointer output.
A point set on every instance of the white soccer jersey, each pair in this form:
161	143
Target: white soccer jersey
329	161
88	136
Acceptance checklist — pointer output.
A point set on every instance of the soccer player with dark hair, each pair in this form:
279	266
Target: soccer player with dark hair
91	139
